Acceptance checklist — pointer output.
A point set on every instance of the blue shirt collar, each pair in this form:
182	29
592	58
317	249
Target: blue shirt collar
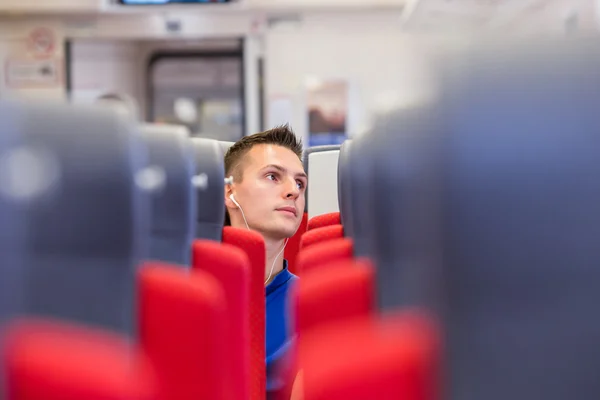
280	279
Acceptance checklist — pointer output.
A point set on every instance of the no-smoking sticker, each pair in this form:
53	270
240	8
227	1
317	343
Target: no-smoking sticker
42	42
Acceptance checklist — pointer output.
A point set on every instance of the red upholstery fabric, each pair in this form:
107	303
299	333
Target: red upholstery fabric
344	289
253	244
394	358
320	235
324	253
56	361
182	319
293	245
231	267
320	221
339	291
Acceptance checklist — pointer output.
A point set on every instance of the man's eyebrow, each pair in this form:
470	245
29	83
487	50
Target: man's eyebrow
283	170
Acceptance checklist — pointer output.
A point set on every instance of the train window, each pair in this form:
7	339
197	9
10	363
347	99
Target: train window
203	91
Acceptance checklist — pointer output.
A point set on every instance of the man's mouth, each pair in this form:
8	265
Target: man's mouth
288	209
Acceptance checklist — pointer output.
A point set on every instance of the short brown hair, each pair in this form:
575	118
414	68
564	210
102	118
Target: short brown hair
281	136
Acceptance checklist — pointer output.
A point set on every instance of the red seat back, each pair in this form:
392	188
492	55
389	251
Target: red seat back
320	235
293	245
340	291
56	361
231	268
320	221
324	253
343	290
182	319
392	358
253	244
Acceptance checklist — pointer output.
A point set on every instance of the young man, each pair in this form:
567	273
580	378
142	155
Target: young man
267	195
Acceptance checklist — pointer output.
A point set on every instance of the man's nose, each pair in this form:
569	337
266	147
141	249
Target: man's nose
291	189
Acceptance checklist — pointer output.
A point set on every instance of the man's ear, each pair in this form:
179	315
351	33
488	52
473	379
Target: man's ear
228	191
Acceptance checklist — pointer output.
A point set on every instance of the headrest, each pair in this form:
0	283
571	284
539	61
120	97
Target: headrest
344	191
495	195
210	171
225	146
84	213
174	206
323	198
316	149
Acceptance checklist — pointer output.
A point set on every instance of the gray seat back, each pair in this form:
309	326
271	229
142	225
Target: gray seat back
12	217
402	194
525	192
225	146
344	190
361	188
12	232
210	171
86	231
174	206
497	187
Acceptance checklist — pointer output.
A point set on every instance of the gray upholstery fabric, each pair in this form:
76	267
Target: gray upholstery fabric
12	239
210	171
495	197
362	195
174	206
12	218
344	190
85	224
305	159
525	195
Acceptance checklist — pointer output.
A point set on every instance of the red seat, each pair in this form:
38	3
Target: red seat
320	235
182	319
253	244
231	267
320	221
293	245
56	361
324	253
395	357
341	290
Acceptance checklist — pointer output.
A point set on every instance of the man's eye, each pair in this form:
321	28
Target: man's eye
300	184
271	176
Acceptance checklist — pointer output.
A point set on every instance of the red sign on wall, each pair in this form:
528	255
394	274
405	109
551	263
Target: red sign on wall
42	42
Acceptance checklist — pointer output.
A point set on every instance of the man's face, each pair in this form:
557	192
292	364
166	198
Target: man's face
271	192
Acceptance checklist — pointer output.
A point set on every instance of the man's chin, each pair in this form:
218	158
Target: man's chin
282	232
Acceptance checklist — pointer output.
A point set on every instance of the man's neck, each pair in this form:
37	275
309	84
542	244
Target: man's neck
274	251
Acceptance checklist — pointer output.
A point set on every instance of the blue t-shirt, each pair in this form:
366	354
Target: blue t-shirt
279	334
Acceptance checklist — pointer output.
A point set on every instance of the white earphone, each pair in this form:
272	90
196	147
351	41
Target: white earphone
229	181
240	207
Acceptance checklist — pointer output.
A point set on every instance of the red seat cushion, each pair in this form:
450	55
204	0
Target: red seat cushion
231	267
396	357
253	244
320	221
324	253
320	235
341	290
183	315
48	360
293	245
